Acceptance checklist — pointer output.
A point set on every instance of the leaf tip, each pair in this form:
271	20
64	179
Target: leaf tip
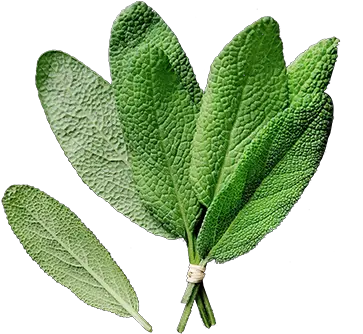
44	57
44	65
12	190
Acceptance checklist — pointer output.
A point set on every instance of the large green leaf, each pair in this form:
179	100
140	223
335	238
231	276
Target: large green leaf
138	28
158	118
81	111
69	252
139	25
247	86
273	145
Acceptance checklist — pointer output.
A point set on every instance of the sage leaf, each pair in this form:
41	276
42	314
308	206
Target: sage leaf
247	86
68	251
139	25
81	111
309	74
273	172
158	118
159	151
286	155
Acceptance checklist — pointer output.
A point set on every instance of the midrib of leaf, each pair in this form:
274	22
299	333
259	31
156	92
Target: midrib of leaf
220	172
123	303
181	206
206	260
269	143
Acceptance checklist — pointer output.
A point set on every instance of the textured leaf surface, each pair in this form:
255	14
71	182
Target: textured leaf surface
273	145
81	111
137	26
274	171
67	250
310	73
247	86
159	120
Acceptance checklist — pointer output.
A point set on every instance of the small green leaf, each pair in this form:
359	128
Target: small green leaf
267	151
247	86
68	251
81	111
158	118
309	74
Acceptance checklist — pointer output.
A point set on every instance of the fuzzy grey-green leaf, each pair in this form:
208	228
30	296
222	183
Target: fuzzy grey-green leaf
81	111
247	86
68	251
158	118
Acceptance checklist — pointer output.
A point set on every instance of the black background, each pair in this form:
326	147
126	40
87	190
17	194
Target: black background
287	282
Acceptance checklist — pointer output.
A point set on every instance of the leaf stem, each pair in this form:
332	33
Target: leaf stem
194	258
202	309
188	293
190	286
142	321
187	310
207	305
196	291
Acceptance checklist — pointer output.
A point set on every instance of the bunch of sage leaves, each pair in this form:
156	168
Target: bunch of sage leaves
220	168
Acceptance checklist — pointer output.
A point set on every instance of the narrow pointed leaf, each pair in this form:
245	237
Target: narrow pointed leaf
309	74
247	86
273	172
158	117
137	26
68	251
268	182
81	111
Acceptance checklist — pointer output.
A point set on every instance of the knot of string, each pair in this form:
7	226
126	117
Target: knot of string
195	274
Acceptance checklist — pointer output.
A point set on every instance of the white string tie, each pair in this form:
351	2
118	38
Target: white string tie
195	274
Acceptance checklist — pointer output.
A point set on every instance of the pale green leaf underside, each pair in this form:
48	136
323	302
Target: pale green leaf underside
271	146
67	250
81	111
159	120
247	86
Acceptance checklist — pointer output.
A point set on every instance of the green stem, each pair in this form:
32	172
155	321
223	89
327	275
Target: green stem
194	258
207	306
142	321
190	286
188	292
195	292
202	309
187	310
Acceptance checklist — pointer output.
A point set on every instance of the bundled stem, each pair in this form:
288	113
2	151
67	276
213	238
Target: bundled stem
207	305
188	309
197	293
